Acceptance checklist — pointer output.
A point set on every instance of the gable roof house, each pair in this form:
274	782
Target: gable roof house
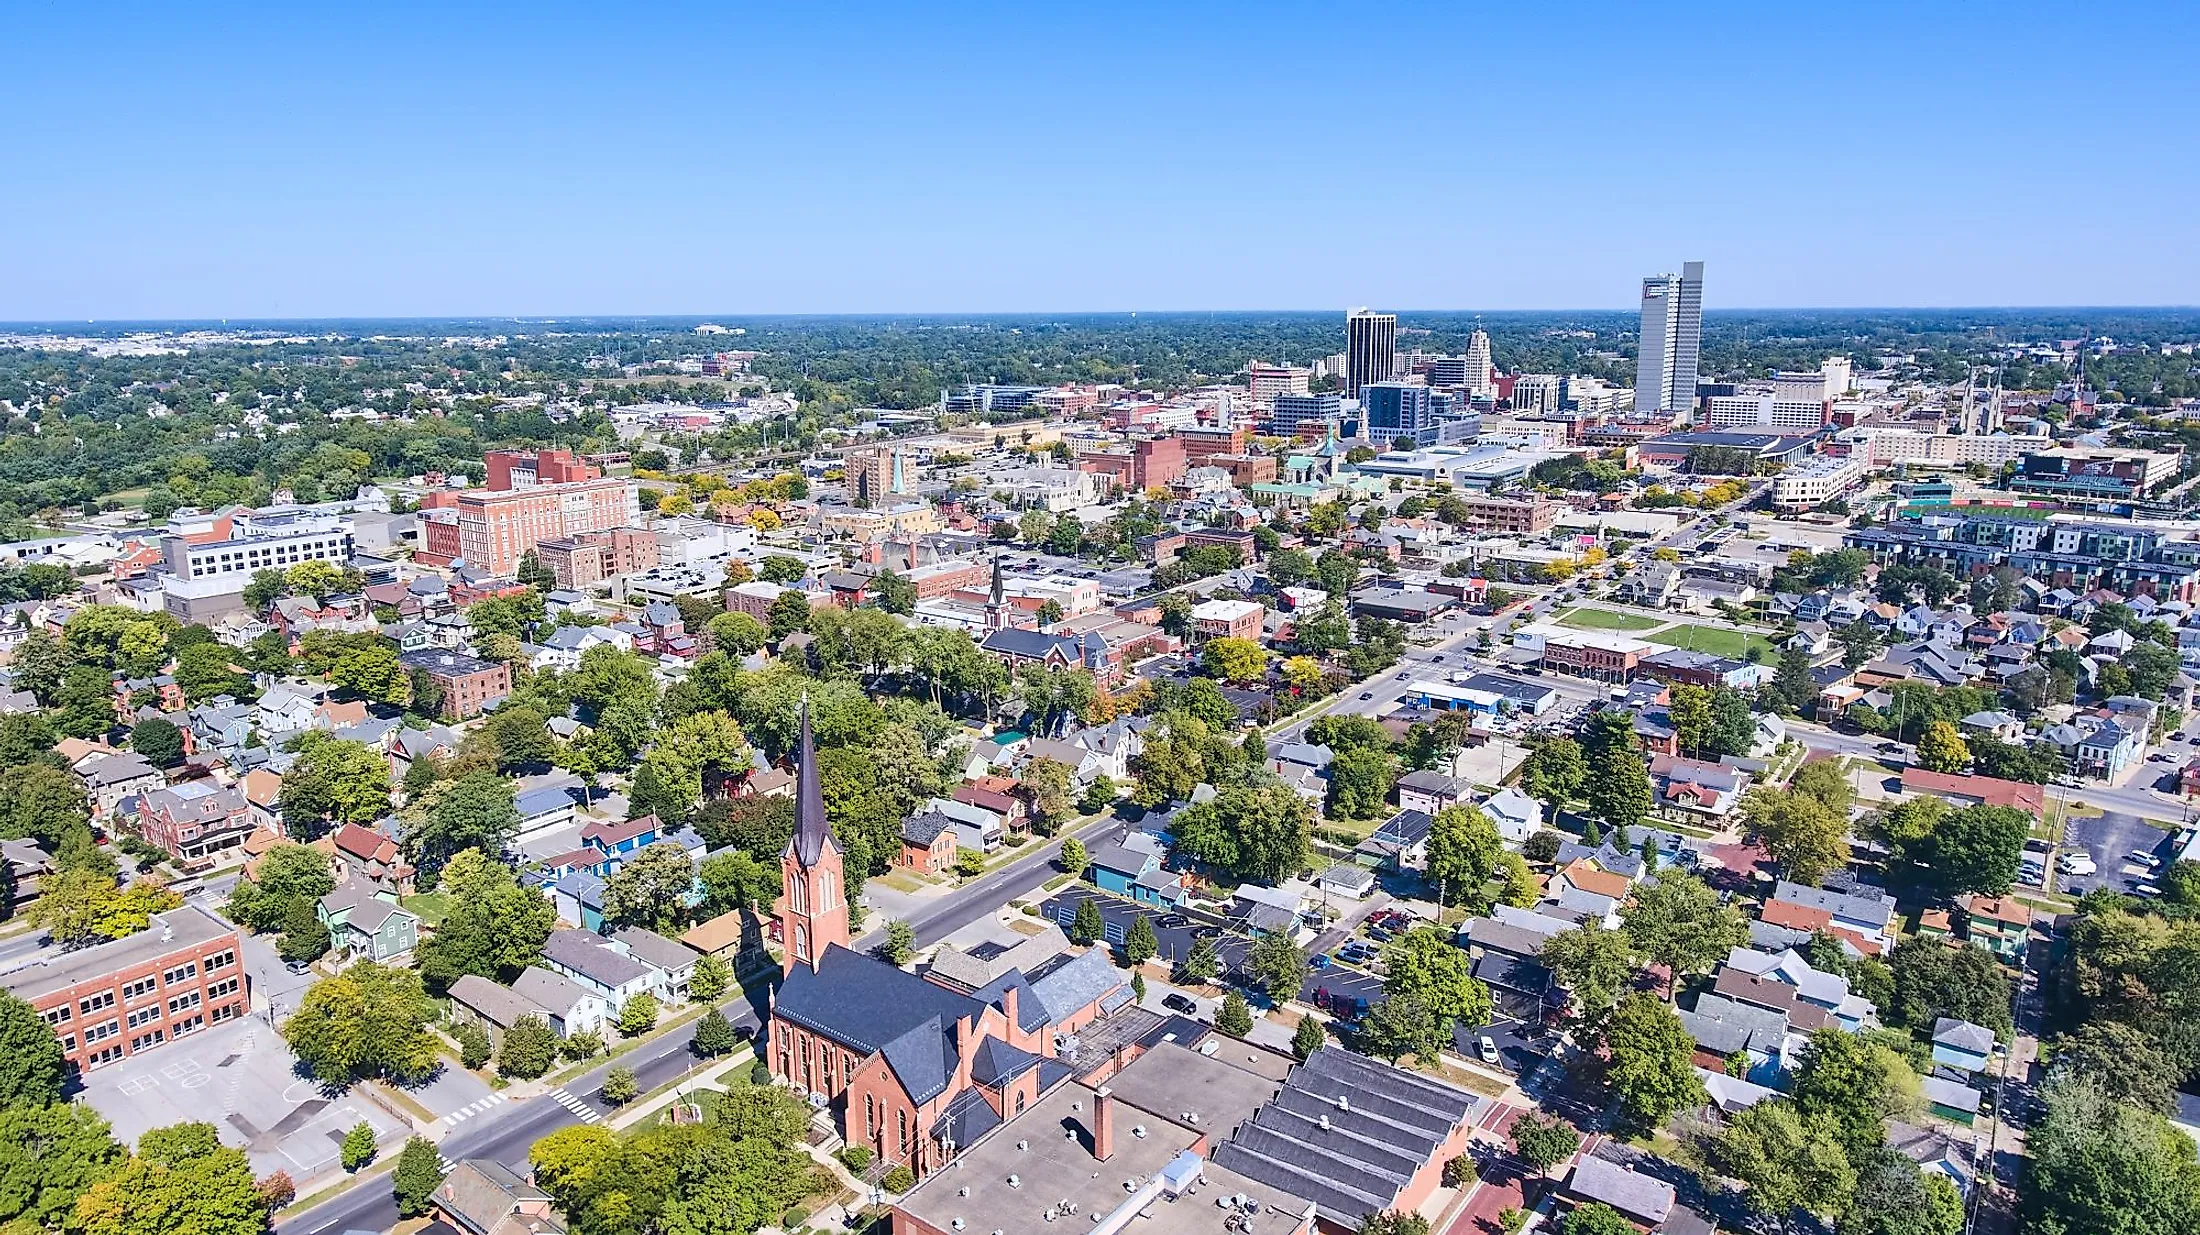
366	923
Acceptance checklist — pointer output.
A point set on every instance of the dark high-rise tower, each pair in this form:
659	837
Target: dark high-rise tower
1370	349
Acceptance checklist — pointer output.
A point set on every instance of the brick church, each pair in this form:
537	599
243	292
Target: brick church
911	1065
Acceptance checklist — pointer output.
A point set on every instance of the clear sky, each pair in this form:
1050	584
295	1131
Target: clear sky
399	159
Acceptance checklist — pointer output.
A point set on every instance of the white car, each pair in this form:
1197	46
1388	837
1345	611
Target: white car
2077	864
1487	1048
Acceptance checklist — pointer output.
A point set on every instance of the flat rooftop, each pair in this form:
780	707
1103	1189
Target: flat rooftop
177	930
1042	1159
1211	1088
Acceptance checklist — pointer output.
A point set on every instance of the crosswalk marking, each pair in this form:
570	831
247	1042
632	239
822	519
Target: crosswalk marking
472	1109
581	1110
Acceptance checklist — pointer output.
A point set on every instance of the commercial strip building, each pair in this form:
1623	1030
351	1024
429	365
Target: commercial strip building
118	999
1596	654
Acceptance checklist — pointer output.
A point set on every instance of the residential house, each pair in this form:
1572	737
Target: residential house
1641	1199
558	1001
1730	1034
1695	787
578	897
602	969
1750	976
976	828
674	959
367	924
371	858
1869	915
484	1197
927	843
1999	924
1950	1100
1516	815
2000	726
544	809
1401	841
194	821
620	840
1431	791
1085	765
1961	1044
110	778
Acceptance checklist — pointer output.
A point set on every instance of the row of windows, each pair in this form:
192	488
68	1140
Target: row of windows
188	969
220	960
95	1003
104	1055
227	1011
183	1002
142	1041
227	986
145	1015
100	1033
139	989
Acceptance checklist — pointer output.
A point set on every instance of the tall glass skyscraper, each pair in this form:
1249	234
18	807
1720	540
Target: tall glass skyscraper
1370	349
1671	340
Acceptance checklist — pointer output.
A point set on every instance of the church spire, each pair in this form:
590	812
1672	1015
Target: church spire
811	834
1000	593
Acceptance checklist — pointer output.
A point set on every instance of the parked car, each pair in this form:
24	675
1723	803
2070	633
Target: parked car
1176	1002
1487	1049
1367	694
1319	960
2077	864
1171	921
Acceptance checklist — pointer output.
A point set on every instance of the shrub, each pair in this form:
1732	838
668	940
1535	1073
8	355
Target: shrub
1459	1172
358	1147
276	1190
857	1158
900	1179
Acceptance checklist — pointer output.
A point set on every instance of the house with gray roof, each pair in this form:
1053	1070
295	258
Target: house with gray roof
366	922
1639	1198
598	967
675	959
571	1007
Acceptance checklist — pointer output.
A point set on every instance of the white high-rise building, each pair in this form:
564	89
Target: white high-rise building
1480	373
1535	394
1370	349
1671	340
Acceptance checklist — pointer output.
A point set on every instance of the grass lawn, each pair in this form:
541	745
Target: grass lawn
1716	640
429	907
1607	619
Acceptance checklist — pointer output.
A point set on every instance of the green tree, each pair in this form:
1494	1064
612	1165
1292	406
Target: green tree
712	977
1074	859
1941	749
1425	964
1894	1197
1677	921
495	928
1047	783
901	943
1786	1160
1932	980
1543	1141
714	1035
1518	885
372	671
1394	1222
1463	849
1618	784
1308	1036
1260	833
475	811
419	1173
638	1015
1595	1218
368	1021
1139	944
333	782
620	1086
1802	836
650	888
1202	964
1087	926
1856	1082
181	1179
1402	1025
32	1066
1976	849
304	937
1234	1017
1651	1068
1595	967
2125	1061
1360	781
44	804
474	1046
2096	1165
787	615
83	906
49	1155
1277	966
358	1148
160	742
1554	772
530	1046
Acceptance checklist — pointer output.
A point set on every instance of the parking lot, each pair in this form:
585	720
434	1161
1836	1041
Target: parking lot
2110	839
242	1079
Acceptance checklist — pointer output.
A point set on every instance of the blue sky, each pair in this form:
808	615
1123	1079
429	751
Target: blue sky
401	159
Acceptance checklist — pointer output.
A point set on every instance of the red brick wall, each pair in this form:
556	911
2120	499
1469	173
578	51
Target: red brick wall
199	999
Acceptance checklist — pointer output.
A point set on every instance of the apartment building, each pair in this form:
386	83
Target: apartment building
1305	415
591	557
1816	481
525	469
469	683
123	998
1513	516
881	472
490	529
238	558
1270	380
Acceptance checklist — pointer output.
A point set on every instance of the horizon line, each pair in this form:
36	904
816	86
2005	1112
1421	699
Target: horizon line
765	315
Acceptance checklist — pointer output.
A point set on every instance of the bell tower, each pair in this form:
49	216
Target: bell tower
813	905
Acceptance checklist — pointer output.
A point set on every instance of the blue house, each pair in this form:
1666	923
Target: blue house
623	839
1115	868
579	900
1961	1044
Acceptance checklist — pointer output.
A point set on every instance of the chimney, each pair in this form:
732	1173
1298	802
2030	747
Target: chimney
912	551
871	553
1103	1123
1008	1009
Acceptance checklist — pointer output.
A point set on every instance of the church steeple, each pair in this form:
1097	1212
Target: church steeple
812	908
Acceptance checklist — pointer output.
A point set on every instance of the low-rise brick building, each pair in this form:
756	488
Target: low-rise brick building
469	683
168	981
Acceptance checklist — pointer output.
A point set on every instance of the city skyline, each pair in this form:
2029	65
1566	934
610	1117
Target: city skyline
308	167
